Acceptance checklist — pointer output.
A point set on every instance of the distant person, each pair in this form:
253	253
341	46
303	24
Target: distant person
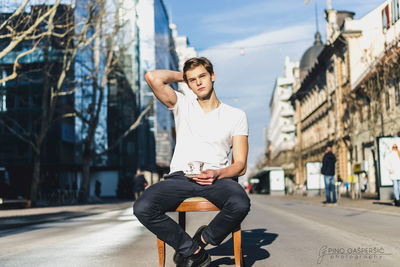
139	184
393	162
249	188
364	183
97	190
74	190
289	188
328	170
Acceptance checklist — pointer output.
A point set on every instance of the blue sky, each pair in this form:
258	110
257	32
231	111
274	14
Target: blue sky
266	31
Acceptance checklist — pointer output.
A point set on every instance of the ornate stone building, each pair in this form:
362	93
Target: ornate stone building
348	93
318	99
373	98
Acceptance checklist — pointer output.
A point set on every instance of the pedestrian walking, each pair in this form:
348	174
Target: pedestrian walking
364	183
139	184
394	172
328	170
97	190
207	130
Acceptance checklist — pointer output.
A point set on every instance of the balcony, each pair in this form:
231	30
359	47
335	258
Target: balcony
285	96
288	128
287	112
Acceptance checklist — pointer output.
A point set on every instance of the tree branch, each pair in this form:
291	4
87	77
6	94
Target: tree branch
31	29
16	64
16	13
129	130
20	136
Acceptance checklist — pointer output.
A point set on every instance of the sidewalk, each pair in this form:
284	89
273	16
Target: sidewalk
370	205
12	218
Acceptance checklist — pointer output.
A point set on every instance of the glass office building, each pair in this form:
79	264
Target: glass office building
157	51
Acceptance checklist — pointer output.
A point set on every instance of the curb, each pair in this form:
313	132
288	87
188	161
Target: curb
343	205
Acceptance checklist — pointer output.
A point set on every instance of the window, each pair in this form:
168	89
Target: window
356	153
369	111
387	98
363	152
3	94
395	14
3	100
397	91
385	18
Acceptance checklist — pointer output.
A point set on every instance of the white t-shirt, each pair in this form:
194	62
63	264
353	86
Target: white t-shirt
204	137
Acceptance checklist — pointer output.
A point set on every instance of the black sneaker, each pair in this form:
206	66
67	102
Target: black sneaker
179	260
201	259
197	236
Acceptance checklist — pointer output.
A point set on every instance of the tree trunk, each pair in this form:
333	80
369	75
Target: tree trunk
35	178
84	190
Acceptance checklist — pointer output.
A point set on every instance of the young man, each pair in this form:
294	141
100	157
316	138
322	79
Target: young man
206	131
328	170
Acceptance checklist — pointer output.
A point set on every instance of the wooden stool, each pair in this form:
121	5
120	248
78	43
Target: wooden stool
201	204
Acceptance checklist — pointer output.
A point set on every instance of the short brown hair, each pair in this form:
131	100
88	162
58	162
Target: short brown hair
195	62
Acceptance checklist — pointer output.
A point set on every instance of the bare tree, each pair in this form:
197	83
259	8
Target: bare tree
87	42
103	59
35	29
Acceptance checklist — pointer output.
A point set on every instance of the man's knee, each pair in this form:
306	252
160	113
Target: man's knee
240	204
143	209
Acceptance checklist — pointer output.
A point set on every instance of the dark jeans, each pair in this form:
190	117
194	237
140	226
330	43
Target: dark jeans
330	188
166	196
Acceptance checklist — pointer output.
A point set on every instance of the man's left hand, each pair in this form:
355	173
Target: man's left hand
206	177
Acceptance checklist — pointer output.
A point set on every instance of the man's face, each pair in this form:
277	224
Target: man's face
200	81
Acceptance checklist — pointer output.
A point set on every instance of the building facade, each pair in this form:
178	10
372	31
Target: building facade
281	130
373	98
157	51
350	95
184	52
318	99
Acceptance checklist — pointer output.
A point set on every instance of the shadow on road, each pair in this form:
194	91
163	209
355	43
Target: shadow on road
252	243
20	224
383	203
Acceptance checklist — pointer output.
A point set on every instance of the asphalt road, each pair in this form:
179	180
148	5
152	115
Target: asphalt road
277	232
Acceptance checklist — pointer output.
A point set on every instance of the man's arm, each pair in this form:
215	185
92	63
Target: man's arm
238	167
158	81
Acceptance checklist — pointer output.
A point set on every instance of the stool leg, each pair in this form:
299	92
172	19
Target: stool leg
161	252
237	247
182	220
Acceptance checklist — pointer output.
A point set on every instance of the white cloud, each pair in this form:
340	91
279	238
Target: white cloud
248	11
234	29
